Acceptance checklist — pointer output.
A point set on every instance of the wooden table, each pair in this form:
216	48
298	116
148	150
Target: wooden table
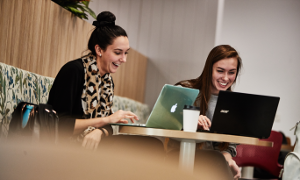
188	141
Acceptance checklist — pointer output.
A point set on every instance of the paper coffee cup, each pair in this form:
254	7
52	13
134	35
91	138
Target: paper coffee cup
190	118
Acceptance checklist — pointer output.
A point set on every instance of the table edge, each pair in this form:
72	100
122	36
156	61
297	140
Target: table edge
200	136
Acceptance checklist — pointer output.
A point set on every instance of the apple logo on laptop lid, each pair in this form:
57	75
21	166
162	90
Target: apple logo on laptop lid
173	109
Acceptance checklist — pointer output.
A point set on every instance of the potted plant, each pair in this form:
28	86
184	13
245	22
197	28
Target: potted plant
77	7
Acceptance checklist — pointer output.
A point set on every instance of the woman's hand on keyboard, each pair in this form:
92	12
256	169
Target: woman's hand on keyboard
203	123
121	116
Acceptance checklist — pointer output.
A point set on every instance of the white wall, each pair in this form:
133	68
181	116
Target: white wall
177	35
266	34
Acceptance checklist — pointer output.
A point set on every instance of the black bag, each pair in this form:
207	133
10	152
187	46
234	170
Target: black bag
34	122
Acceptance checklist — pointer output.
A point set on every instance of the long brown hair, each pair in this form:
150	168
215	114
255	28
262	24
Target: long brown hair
203	82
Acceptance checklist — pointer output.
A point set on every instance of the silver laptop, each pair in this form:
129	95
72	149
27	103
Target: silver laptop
168	109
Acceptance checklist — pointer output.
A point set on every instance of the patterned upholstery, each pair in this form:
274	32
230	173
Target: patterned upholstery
141	110
18	85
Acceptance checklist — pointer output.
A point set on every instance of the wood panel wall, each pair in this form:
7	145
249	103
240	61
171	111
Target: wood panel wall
40	37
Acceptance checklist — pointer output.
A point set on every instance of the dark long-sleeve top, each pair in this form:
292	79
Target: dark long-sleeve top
65	97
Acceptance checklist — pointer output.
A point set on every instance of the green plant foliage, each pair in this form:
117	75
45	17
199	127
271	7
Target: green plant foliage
77	7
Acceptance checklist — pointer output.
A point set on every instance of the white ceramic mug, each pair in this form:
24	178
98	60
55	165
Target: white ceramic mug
190	118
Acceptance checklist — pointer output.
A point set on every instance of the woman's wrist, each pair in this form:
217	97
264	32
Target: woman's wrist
102	122
103	134
106	120
227	156
87	131
100	131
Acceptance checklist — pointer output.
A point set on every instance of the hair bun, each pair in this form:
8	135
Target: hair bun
106	16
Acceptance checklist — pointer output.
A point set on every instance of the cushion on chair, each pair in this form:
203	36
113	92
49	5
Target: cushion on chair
18	85
261	156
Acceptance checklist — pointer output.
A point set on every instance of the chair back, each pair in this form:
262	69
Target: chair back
260	156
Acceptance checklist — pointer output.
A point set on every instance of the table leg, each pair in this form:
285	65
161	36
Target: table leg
187	155
247	172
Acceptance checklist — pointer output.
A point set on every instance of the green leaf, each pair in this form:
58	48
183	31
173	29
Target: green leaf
78	8
75	10
91	12
82	8
84	16
74	5
86	3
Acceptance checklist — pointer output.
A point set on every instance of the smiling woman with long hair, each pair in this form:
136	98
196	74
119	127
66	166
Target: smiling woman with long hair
220	72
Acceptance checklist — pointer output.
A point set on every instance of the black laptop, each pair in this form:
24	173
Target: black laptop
244	114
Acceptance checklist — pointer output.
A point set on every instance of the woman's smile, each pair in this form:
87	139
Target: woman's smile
223	75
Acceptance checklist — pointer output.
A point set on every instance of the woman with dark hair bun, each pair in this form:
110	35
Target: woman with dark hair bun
220	72
82	92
